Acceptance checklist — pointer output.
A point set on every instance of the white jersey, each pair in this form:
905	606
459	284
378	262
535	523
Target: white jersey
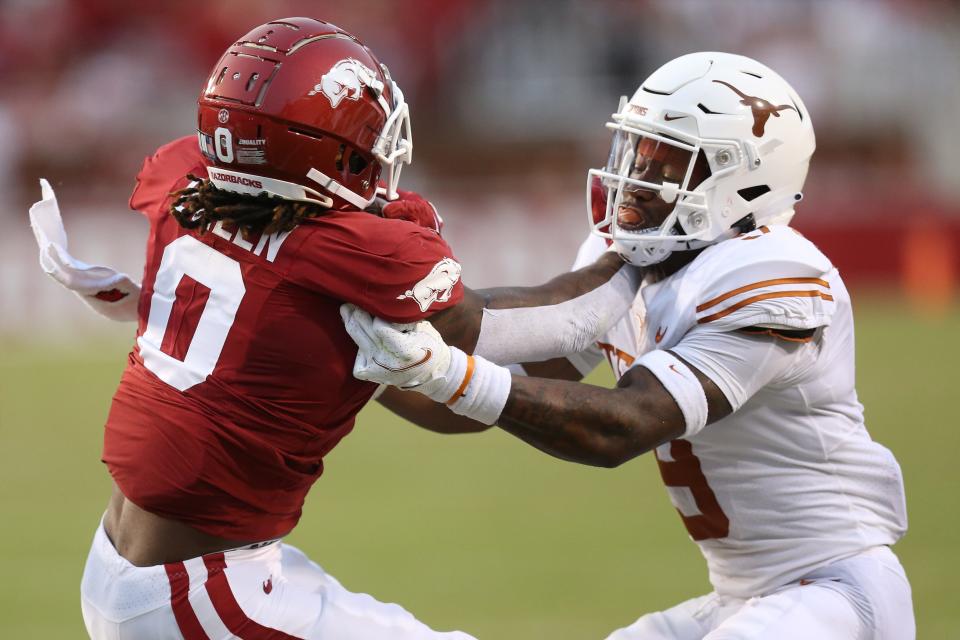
791	480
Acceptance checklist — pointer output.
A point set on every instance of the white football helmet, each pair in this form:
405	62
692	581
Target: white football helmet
710	145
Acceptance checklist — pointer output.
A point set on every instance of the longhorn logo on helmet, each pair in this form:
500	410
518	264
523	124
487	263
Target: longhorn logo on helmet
760	108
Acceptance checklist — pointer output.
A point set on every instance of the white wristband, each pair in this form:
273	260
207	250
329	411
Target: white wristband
472	386
681	383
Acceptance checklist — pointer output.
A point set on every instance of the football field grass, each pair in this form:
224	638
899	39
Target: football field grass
479	532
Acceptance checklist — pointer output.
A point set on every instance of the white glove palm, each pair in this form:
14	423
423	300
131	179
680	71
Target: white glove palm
106	290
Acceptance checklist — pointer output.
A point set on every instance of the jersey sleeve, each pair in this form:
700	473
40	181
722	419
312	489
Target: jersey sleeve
768	278
165	172
393	269
739	364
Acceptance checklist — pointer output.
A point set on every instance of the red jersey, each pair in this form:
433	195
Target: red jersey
241	379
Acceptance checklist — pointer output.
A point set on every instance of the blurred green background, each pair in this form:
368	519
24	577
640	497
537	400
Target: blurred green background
480	532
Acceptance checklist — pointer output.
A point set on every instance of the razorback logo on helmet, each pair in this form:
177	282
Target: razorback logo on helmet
437	286
346	79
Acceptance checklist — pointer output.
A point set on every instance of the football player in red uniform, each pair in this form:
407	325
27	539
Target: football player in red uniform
240	381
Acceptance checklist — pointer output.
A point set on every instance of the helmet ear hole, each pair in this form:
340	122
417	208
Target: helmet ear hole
701	170
357	162
752	193
746	224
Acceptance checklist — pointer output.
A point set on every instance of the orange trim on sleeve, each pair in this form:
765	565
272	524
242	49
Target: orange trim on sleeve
762	230
467	377
764	296
776	334
757	285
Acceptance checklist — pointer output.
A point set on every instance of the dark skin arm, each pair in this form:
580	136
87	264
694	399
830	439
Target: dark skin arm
436	417
460	325
596	426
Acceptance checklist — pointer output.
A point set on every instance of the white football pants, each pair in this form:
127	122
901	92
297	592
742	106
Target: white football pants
272	593
866	597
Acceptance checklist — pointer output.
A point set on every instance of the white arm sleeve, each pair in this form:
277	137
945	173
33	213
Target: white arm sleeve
534	334
739	364
587	360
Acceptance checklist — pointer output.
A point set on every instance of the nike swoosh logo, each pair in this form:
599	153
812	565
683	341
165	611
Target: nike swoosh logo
426	356
673	368
668	117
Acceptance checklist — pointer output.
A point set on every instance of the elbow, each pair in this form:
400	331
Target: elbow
610	462
614	461
613	457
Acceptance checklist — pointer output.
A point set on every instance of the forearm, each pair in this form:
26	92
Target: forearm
433	416
425	413
560	289
586	424
531	324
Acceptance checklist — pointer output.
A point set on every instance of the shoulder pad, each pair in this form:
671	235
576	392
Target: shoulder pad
770	277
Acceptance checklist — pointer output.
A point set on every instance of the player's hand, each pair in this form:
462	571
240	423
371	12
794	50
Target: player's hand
107	291
408	356
414	208
414	356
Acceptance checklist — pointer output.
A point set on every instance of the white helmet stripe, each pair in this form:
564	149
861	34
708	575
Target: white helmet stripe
253	185
338	189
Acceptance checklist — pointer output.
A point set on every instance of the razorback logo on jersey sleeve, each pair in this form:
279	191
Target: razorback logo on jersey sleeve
437	286
393	269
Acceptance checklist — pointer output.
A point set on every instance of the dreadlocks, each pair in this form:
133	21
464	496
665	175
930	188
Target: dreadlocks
202	205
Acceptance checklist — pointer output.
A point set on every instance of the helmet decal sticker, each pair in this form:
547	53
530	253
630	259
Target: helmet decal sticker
346	79
437	286
761	109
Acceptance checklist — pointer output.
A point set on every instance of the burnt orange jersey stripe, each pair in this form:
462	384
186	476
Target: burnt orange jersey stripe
757	285
776	334
764	296
762	230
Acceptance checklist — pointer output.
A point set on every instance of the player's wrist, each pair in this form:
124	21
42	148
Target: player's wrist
479	387
444	384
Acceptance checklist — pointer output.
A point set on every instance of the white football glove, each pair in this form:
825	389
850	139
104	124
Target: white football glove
415	357
407	356
107	291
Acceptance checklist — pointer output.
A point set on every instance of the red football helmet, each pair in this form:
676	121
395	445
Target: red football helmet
300	109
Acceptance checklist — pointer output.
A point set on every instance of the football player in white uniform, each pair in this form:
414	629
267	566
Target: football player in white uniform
735	367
